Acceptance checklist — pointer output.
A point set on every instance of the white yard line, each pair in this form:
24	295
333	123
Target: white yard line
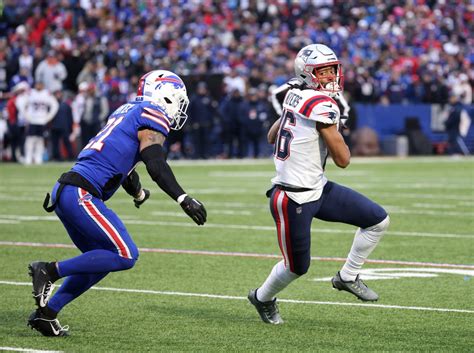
14	219
244	254
14	349
229	297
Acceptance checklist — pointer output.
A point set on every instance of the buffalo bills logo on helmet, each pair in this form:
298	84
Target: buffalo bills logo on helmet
171	79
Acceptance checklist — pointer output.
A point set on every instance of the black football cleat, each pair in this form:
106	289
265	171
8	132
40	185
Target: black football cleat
47	326
357	287
268	311
42	284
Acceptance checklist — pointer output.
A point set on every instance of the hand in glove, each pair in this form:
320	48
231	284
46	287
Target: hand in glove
194	209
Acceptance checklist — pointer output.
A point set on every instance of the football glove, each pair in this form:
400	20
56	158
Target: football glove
343	120
139	202
194	209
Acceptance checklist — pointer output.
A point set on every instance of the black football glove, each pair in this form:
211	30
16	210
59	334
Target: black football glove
194	209
344	119
139	203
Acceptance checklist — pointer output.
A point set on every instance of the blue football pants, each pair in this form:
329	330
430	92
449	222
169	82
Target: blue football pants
99	234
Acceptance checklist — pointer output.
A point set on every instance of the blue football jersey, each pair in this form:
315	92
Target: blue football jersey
114	152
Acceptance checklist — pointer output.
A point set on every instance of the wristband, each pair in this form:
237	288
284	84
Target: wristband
141	196
181	198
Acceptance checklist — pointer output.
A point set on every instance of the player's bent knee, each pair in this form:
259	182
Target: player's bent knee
300	269
127	263
381	226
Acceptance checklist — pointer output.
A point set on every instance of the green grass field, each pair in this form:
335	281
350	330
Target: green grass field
193	298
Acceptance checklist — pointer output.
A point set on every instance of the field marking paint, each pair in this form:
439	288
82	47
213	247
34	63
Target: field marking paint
397	273
180	214
400	210
317	230
270	174
27	350
433	205
397	195
244	254
230	297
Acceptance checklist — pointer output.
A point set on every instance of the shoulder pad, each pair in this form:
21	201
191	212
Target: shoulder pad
155	116
319	107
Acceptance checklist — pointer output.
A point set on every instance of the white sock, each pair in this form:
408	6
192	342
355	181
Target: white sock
276	281
365	241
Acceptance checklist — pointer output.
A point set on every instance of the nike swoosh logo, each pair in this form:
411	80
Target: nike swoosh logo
56	332
326	105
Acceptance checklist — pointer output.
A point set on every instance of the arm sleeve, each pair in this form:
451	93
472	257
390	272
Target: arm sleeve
154	158
132	184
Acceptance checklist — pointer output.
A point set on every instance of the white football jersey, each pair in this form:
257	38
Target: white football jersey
300	153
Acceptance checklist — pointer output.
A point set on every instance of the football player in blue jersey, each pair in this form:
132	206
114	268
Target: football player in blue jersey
135	132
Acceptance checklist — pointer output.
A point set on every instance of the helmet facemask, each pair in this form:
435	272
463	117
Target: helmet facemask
329	83
177	110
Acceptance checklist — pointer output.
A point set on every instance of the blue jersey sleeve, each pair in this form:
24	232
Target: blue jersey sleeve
153	117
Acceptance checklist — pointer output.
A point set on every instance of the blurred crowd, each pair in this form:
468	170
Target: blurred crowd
87	56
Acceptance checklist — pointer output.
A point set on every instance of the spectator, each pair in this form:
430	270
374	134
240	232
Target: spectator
40	109
254	113
61	128
3	72
201	111
51	72
25	61
77	107
96	109
454	124
16	127
231	123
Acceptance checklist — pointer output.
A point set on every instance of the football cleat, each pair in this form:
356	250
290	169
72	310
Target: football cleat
42	285
268	311
47	326
357	287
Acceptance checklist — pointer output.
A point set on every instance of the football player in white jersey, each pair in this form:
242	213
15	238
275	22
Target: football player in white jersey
306	133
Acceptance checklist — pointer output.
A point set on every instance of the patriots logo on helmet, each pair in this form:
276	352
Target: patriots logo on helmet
305	54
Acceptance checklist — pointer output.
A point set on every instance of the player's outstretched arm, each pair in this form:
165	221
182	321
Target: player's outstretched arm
133	187
153	155
335	142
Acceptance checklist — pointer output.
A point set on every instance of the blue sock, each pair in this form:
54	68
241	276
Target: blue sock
94	262
73	287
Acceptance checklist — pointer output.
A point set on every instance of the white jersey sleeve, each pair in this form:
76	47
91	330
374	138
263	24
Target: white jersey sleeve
314	106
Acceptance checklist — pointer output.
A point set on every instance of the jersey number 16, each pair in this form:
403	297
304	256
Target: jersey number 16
285	136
